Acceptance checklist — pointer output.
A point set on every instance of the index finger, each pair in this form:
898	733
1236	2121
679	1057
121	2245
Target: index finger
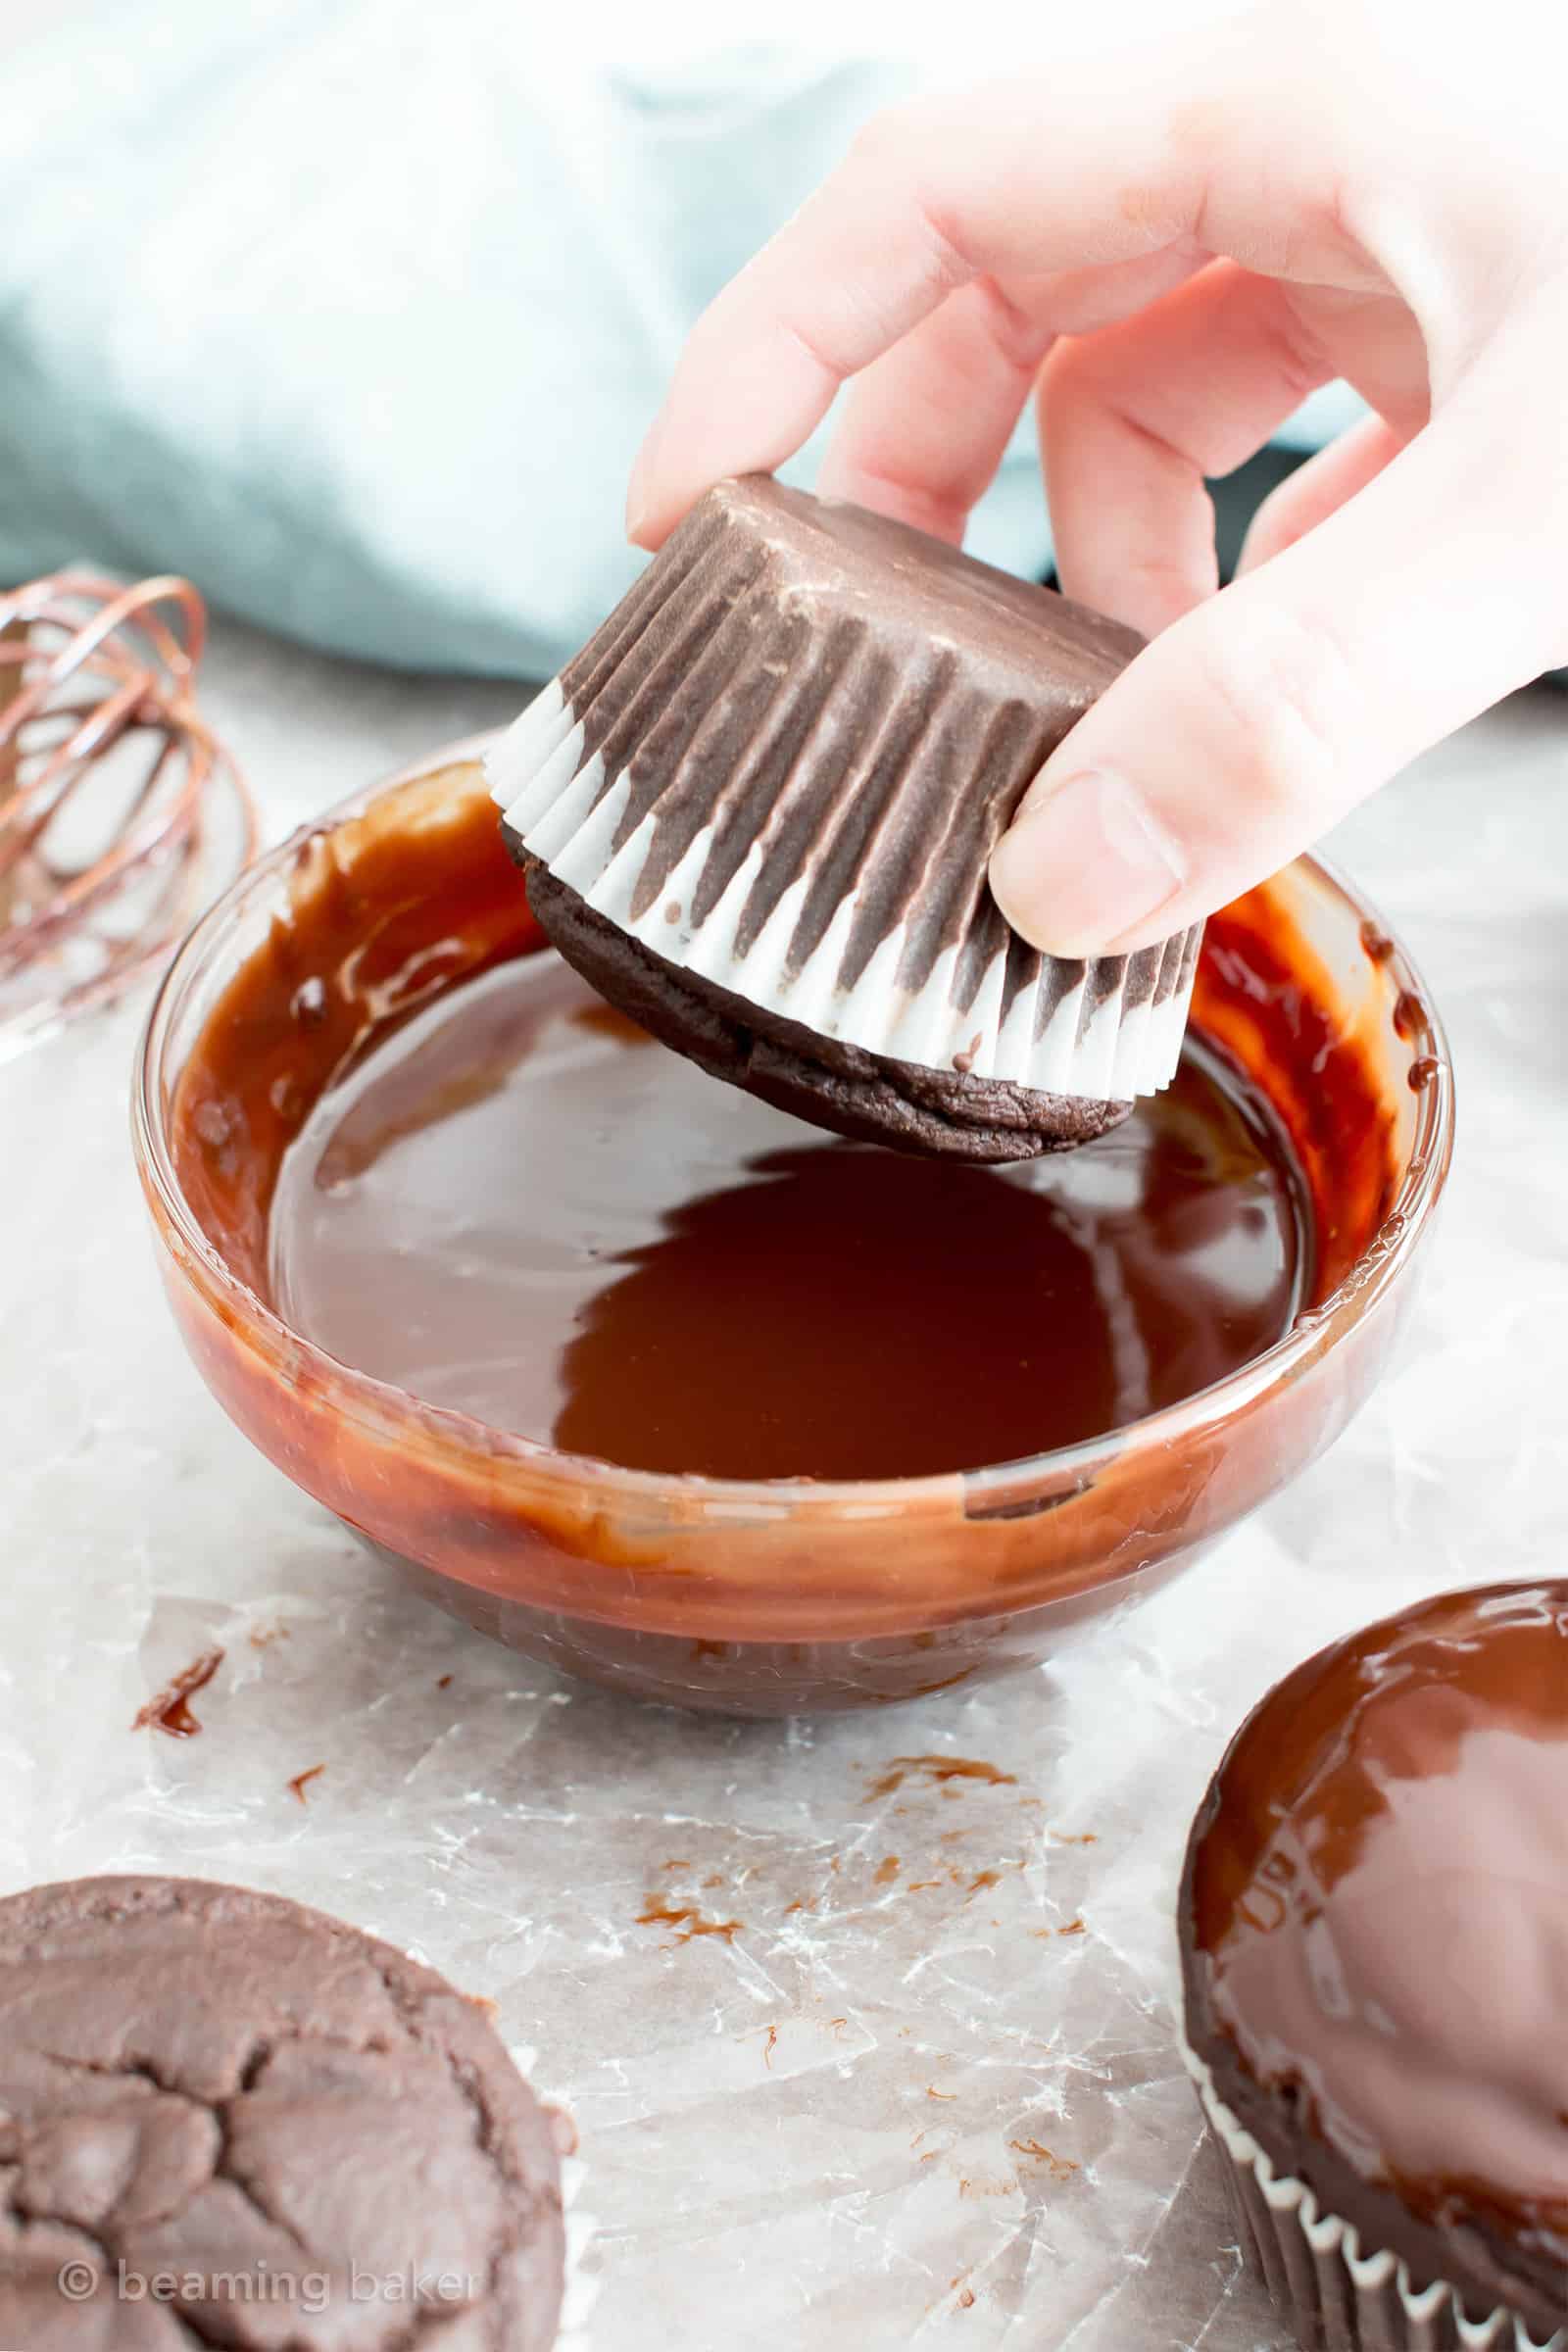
1083	166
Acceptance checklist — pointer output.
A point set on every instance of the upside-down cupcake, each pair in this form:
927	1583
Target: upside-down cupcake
1374	1923
758	809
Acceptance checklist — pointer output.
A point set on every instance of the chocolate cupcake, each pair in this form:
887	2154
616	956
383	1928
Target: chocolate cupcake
1374	1923
228	2120
758	809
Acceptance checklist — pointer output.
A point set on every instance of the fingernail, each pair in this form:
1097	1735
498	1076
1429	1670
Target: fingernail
1083	863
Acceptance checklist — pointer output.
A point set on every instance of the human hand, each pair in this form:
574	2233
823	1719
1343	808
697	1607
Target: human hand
1169	251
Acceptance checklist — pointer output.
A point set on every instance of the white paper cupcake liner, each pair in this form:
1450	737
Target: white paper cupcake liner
1107	1029
581	2289
1341	2299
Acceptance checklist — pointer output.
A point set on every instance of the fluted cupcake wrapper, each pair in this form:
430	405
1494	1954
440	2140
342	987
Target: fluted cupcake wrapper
574	2332
1109	1028
1339	2298
583	2289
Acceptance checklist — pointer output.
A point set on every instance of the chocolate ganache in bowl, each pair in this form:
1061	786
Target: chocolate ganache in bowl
643	1377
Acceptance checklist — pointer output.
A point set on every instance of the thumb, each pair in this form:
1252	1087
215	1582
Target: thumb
1245	730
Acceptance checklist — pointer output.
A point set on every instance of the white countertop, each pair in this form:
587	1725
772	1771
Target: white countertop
891	2117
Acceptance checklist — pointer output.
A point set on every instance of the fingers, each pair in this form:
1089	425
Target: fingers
1320	488
1254	723
925	426
927	423
1075	170
1133	418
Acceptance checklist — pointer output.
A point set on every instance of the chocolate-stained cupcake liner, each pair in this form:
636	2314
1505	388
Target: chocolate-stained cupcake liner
771	788
1109	1028
1339	2298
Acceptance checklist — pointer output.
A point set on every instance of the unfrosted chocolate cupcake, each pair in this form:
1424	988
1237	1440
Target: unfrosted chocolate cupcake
1374	1923
228	2120
758	809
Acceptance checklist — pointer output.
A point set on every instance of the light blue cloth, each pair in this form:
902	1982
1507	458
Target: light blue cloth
356	314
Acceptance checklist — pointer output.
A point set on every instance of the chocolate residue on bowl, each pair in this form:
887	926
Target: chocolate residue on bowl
382	923
402	918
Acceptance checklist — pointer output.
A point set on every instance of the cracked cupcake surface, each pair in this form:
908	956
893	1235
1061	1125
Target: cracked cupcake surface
226	2120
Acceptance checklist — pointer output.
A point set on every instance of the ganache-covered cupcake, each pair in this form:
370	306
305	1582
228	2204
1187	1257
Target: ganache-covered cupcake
1374	1923
225	2119
758	809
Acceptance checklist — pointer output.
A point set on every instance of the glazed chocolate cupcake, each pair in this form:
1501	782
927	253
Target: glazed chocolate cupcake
756	811
1374	1923
228	2120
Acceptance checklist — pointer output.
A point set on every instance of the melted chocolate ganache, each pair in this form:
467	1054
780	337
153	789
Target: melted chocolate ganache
520	1207
1375	1936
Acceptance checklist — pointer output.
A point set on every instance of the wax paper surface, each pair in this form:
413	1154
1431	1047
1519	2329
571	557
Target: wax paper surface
920	2085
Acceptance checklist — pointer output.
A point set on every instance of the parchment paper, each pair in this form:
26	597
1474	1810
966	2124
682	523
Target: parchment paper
925	2090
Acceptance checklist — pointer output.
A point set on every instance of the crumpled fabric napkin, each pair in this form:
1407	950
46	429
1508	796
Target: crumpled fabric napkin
356	311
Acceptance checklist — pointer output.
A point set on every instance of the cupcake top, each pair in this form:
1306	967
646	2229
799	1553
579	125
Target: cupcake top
1375	1934
315	2138
779	769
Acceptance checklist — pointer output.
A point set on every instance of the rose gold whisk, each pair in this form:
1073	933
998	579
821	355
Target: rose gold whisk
117	801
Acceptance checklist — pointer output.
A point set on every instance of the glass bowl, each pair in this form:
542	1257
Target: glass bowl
775	1597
